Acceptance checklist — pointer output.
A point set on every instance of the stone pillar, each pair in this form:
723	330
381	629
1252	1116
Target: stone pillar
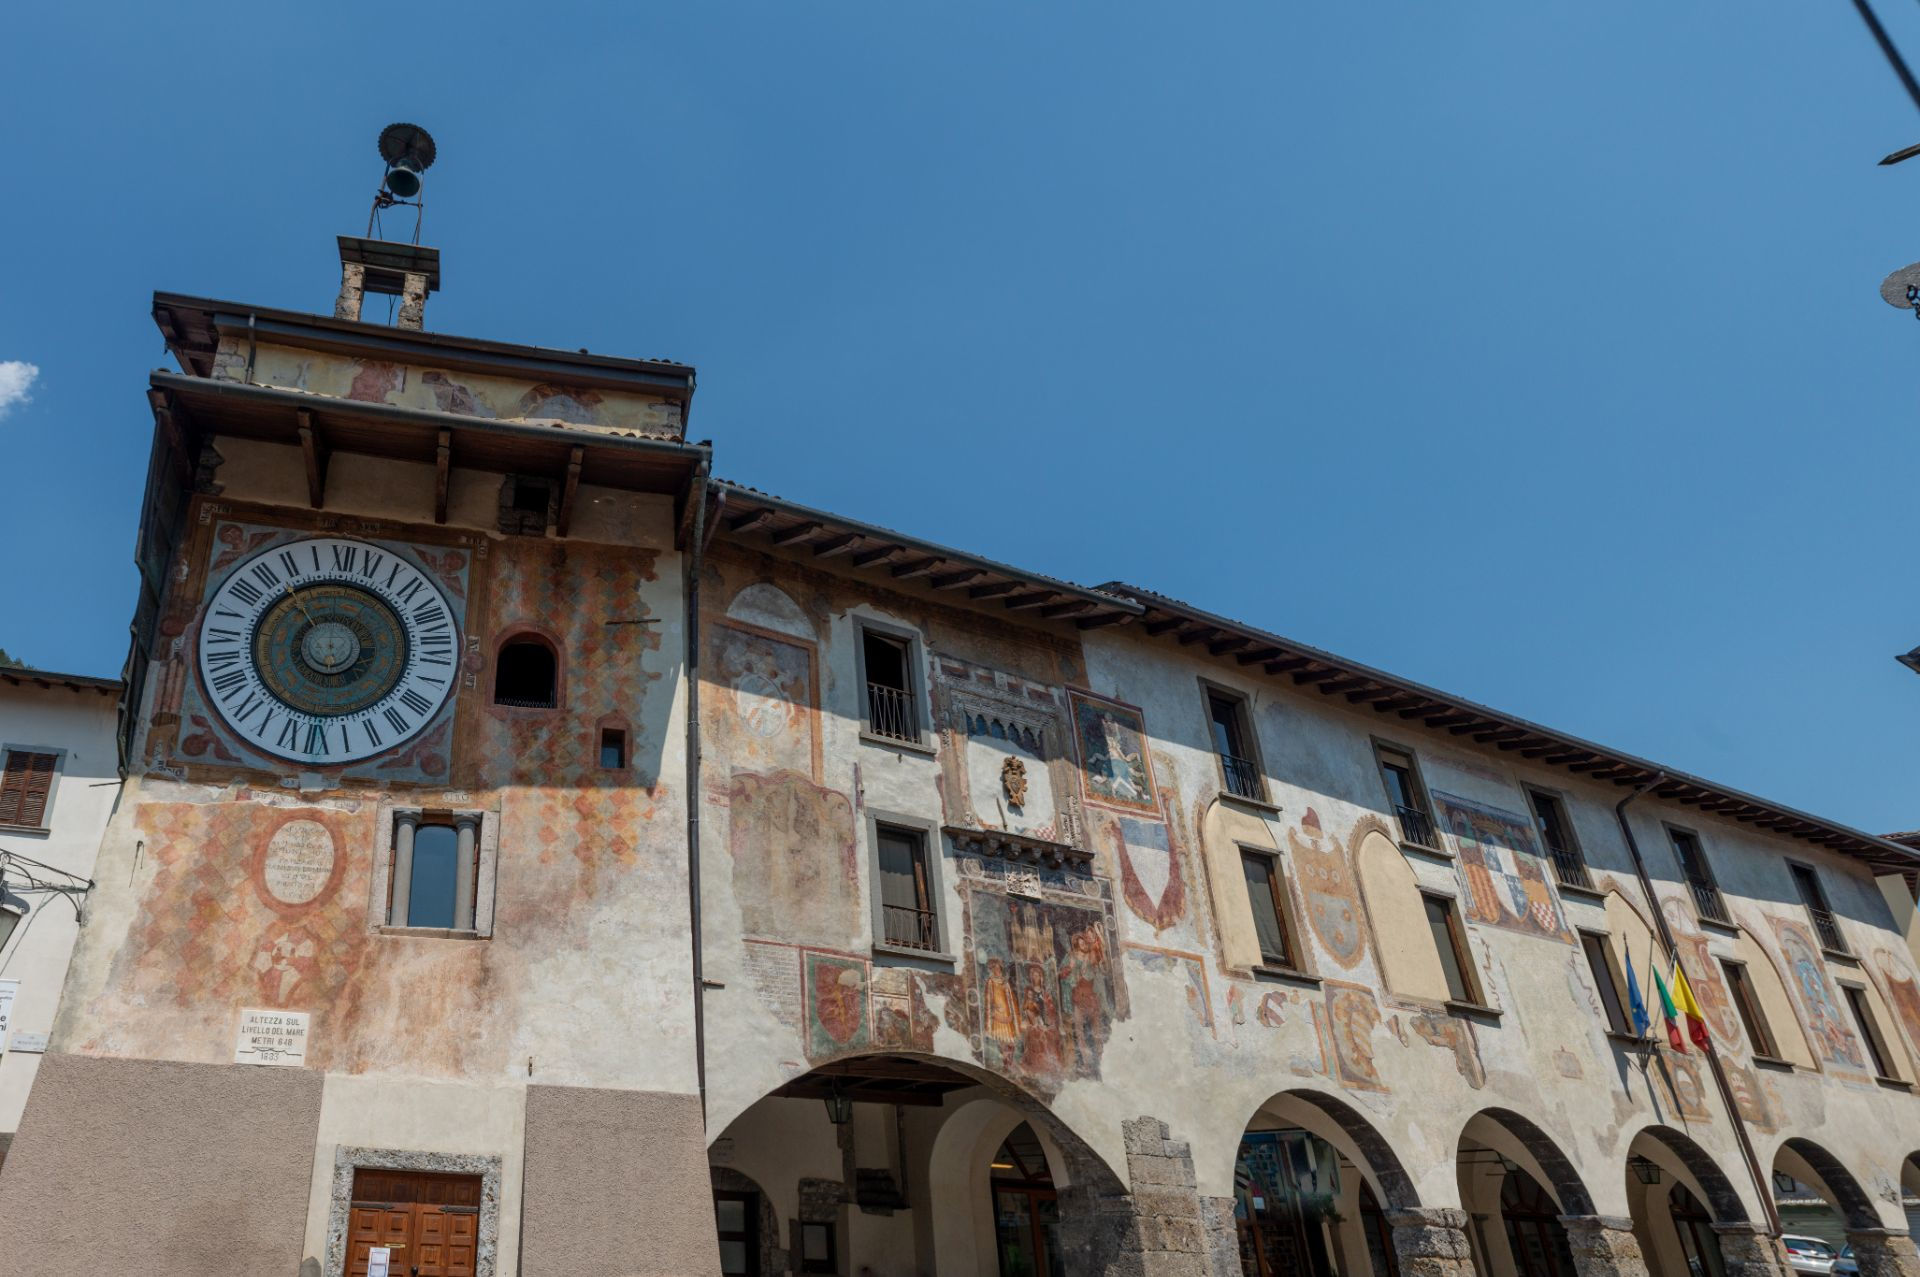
1884	1252
466	829
1431	1242
413	301
1604	1246
353	291
404	823
1748	1250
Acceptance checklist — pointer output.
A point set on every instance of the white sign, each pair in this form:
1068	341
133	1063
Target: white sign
378	1257
271	1037
28	1043
7	989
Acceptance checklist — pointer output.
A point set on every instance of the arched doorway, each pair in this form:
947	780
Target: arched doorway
1515	1184
1026	1208
1676	1193
1313	1183
1817	1196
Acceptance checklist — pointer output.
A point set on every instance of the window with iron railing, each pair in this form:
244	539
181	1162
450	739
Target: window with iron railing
907	915
1569	866
891	711
1815	898
1416	826
526	674
1408	798
1227	716
1693	865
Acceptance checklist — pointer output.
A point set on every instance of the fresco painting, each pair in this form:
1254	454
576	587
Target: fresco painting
1326	880
1753	1102
902	1019
1043	985
1806	974
1352	1016
1151	878
1192	968
793	850
836	993
1703	972
1686	1092
761	713
1903	994
1501	873
995	740
1115	767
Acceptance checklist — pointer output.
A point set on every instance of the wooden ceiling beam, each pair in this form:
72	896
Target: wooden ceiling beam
867	558
315	453
798	532
1381	698
1163	625
836	545
1072	608
953	580
1232	642
442	473
167	415
992	589
1491	735
917	567
1103	619
1334	686
1286	664
1197	633
1020	602
570	490
750	520
1259	654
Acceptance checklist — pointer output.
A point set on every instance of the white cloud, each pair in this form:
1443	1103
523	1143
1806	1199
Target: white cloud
16	383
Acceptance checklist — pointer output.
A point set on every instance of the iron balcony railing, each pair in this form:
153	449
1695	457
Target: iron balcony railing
1416	827
890	712
1829	929
910	928
525	702
1568	867
1243	778
1706	899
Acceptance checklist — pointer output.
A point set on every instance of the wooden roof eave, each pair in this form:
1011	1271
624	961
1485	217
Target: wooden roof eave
630	462
1364	687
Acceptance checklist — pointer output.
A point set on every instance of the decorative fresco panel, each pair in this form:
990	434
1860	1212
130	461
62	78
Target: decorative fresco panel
1006	757
761	711
794	859
836	993
1332	897
1501	874
1352	1016
1703	973
1192	969
1115	767
1832	1036
1152	877
1902	993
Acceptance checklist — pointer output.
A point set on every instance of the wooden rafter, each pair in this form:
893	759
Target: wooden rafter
313	451
570	490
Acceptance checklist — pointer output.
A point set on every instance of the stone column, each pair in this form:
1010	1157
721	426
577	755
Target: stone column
1604	1246
466	829
413	301
1431	1242
353	290
1884	1252
404	823
1749	1250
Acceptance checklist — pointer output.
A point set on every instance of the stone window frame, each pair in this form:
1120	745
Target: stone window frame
1282	886
917	674
1382	746
934	849
1250	740
45	828
487	852
348	1158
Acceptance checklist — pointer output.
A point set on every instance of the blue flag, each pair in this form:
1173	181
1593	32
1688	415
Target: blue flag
1636	1005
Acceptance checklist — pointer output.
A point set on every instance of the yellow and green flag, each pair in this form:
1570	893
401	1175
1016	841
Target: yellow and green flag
1667	1009
1690	1007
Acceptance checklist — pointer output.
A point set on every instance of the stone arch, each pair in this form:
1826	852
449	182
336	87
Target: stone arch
958	1170
1832	1178
1344	1127
1554	1169
1714	1188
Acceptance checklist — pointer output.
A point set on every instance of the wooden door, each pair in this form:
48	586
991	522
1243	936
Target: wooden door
430	1222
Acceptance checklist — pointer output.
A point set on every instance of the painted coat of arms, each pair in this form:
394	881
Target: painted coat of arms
1115	768
1326	880
1500	869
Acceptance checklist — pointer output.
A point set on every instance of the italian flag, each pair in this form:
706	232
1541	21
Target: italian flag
1682	995
1667	1009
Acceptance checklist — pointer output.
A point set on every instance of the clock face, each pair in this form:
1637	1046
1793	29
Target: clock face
327	650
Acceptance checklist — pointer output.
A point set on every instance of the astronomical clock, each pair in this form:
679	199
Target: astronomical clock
326	650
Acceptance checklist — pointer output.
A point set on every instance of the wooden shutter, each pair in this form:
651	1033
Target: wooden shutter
24	788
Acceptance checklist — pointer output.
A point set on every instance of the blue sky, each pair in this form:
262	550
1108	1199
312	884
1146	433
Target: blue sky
1532	351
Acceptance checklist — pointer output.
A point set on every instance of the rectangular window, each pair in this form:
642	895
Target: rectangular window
1693	864
1556	831
435	878
1451	944
1265	894
1759	1032
737	1216
1869	1031
1407	796
887	664
1815	898
25	786
817	1249
906	891
613	749
1600	962
1232	741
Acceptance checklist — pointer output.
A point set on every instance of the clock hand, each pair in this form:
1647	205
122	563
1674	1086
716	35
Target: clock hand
295	596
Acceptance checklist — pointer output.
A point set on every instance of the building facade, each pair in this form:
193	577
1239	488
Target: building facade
59	778
540	857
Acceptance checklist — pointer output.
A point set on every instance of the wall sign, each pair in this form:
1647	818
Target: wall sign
8	988
378	1260
271	1037
28	1043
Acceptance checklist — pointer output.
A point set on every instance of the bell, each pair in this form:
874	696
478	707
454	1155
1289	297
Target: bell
403	181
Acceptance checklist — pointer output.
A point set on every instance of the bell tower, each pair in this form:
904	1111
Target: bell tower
374	264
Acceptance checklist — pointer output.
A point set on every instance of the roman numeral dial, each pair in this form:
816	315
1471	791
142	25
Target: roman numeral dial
327	650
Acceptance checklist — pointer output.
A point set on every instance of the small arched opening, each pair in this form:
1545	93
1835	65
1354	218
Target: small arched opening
526	673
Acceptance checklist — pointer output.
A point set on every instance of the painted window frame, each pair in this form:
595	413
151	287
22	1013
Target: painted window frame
1280	888
1753	1017
933	853
1559	798
1817	907
487	872
1616	1011
1879	1049
45	827
1382	746
917	692
1242	704
1476	990
1724	919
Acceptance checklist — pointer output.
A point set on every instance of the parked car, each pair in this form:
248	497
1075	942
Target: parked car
1810	1256
1844	1264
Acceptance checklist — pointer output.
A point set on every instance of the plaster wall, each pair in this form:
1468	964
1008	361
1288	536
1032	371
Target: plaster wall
79	727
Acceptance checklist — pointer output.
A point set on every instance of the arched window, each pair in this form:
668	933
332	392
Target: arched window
1534	1231
1026	1208
526	674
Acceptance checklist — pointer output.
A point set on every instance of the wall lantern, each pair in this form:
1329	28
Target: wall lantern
839	1106
1643	1170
